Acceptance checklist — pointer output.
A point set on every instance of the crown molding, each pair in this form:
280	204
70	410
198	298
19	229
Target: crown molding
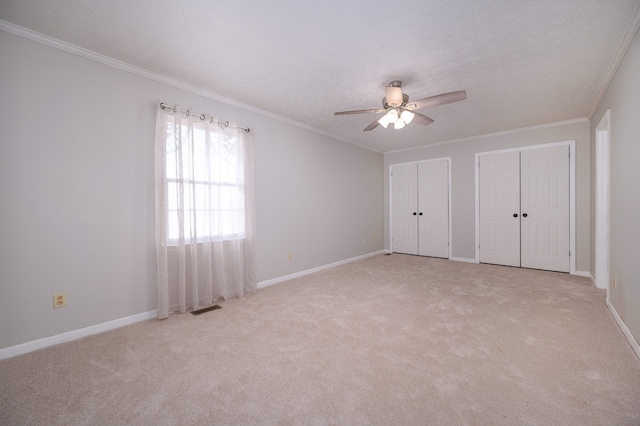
617	59
491	135
114	63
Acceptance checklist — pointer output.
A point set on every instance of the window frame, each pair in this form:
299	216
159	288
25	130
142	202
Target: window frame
238	228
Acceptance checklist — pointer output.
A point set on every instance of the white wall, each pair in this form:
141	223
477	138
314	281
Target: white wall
76	190
463	180
623	98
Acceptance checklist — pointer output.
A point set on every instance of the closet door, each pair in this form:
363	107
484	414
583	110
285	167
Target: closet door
404	209
524	208
433	208
420	208
500	208
545	208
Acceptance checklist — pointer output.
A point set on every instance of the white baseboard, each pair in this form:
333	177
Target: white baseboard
625	330
24	348
463	259
467	260
273	281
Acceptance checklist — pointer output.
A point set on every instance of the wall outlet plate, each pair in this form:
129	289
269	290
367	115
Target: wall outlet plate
59	300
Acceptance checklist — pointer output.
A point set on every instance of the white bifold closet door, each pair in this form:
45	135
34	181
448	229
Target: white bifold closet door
420	208
524	208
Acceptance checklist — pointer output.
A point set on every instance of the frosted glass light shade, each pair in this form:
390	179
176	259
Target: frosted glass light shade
384	121
399	124
392	115
406	116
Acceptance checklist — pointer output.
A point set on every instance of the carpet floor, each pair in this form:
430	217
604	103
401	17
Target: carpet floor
391	339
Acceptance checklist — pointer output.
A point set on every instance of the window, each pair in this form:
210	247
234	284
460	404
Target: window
205	210
204	178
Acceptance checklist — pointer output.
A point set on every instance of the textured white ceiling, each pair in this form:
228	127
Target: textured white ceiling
523	63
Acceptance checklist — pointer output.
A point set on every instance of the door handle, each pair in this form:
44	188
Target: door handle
515	215
414	213
524	215
420	213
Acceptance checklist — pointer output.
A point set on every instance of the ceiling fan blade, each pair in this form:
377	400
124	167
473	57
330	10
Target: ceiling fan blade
421	119
445	98
372	125
357	111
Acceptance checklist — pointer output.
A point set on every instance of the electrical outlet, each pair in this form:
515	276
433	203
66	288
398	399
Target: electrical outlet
363	241
59	300
290	257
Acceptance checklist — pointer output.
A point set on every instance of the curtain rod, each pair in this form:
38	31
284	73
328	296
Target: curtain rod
202	116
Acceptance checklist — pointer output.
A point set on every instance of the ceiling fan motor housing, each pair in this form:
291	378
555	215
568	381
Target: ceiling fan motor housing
394	96
393	102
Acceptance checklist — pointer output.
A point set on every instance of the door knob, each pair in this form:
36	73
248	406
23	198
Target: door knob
524	215
515	215
414	213
420	213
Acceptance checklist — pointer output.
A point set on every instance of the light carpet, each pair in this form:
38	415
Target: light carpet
388	340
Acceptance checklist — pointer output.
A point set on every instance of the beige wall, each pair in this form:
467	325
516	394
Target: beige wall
463	181
623	99
77	179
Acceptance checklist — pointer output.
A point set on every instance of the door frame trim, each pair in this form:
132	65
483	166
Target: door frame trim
572	194
602	267
449	195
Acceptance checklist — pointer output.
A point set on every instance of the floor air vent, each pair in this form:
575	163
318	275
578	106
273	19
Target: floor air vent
207	309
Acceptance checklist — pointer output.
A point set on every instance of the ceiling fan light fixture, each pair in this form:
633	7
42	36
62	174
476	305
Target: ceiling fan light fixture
406	116
399	124
384	121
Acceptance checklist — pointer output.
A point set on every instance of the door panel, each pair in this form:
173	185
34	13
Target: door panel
499	202
404	203
545	202
433	208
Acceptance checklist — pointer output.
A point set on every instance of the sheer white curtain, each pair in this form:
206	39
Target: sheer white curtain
205	211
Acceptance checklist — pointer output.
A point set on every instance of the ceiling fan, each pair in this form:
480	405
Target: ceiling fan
400	112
